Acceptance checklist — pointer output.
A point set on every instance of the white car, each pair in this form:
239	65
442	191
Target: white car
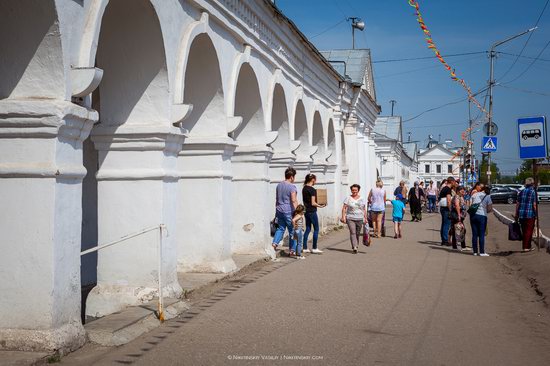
544	193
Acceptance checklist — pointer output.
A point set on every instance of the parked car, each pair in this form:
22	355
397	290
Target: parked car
544	193
504	194
517	187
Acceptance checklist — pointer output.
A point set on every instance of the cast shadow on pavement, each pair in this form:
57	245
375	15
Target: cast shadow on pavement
345	250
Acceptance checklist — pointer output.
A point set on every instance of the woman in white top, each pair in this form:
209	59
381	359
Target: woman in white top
377	201
354	214
482	198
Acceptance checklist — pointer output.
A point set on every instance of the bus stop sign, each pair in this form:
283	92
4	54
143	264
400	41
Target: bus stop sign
532	138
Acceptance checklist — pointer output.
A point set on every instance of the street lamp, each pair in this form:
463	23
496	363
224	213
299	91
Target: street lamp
356	23
492	55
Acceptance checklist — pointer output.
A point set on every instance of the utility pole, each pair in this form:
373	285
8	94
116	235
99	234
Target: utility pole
393	103
493	55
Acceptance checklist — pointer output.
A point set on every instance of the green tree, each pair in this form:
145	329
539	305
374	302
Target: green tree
495	172
526	171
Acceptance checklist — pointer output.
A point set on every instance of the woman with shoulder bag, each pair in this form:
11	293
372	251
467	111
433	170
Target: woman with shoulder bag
480	207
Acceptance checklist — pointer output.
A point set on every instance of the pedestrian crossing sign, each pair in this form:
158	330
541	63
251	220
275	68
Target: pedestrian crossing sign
489	144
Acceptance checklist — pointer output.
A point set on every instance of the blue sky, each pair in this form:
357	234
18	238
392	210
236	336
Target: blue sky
457	27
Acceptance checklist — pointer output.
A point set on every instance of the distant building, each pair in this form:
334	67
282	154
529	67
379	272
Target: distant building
438	161
396	160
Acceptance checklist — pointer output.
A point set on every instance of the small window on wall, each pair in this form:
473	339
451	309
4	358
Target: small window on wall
450	168
427	168
438	169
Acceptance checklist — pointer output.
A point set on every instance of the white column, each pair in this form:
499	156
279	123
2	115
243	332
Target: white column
352	159
251	208
40	223
137	188
361	160
338	177
203	232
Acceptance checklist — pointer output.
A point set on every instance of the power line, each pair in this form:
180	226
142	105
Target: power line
526	91
424	68
528	57
527	41
445	105
329	28
531	64
427	57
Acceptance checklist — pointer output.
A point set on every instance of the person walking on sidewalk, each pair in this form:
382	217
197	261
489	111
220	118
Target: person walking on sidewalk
431	191
481	199
416	195
445	196
458	214
354	214
526	212
285	203
397	214
377	202
298	224
309	197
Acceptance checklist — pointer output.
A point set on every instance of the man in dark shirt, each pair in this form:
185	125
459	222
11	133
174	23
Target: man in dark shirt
445	195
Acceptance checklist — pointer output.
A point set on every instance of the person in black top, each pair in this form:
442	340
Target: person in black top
309	196
445	196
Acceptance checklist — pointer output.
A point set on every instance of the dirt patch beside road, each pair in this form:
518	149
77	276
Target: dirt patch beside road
533	268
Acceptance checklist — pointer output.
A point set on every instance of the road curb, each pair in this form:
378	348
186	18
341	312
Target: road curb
544	241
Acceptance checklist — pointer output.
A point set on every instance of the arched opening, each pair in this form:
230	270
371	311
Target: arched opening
134	87
300	127
203	89
134	91
317	135
279	119
31	65
331	141
248	105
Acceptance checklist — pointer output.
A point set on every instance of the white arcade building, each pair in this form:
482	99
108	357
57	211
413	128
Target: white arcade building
119	115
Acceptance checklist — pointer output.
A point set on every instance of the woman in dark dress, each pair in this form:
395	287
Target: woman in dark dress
309	197
416	195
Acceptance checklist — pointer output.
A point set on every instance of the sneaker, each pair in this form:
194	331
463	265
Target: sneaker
300	257
395	236
354	250
316	251
308	251
475	254
465	249
484	255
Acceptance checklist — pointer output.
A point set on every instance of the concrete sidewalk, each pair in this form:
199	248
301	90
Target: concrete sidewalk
401	302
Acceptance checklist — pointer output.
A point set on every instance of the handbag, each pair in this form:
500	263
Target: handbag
472	210
273	226
514	231
366	235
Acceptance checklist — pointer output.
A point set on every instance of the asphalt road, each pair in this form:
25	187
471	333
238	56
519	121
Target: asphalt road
544	214
399	302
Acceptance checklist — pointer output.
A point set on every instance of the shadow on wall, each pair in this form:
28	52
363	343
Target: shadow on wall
279	119
204	90
248	105
31	63
130	51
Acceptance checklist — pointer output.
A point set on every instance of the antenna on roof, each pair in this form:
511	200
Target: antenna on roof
393	103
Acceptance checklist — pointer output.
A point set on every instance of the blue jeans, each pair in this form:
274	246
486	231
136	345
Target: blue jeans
479	225
284	220
311	219
431	203
297	243
445	225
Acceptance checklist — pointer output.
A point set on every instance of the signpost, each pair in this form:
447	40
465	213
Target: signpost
533	145
532	138
489	144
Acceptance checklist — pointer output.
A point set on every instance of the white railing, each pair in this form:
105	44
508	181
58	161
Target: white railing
161	228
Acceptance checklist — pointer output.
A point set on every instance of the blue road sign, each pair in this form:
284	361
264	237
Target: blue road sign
532	138
489	144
